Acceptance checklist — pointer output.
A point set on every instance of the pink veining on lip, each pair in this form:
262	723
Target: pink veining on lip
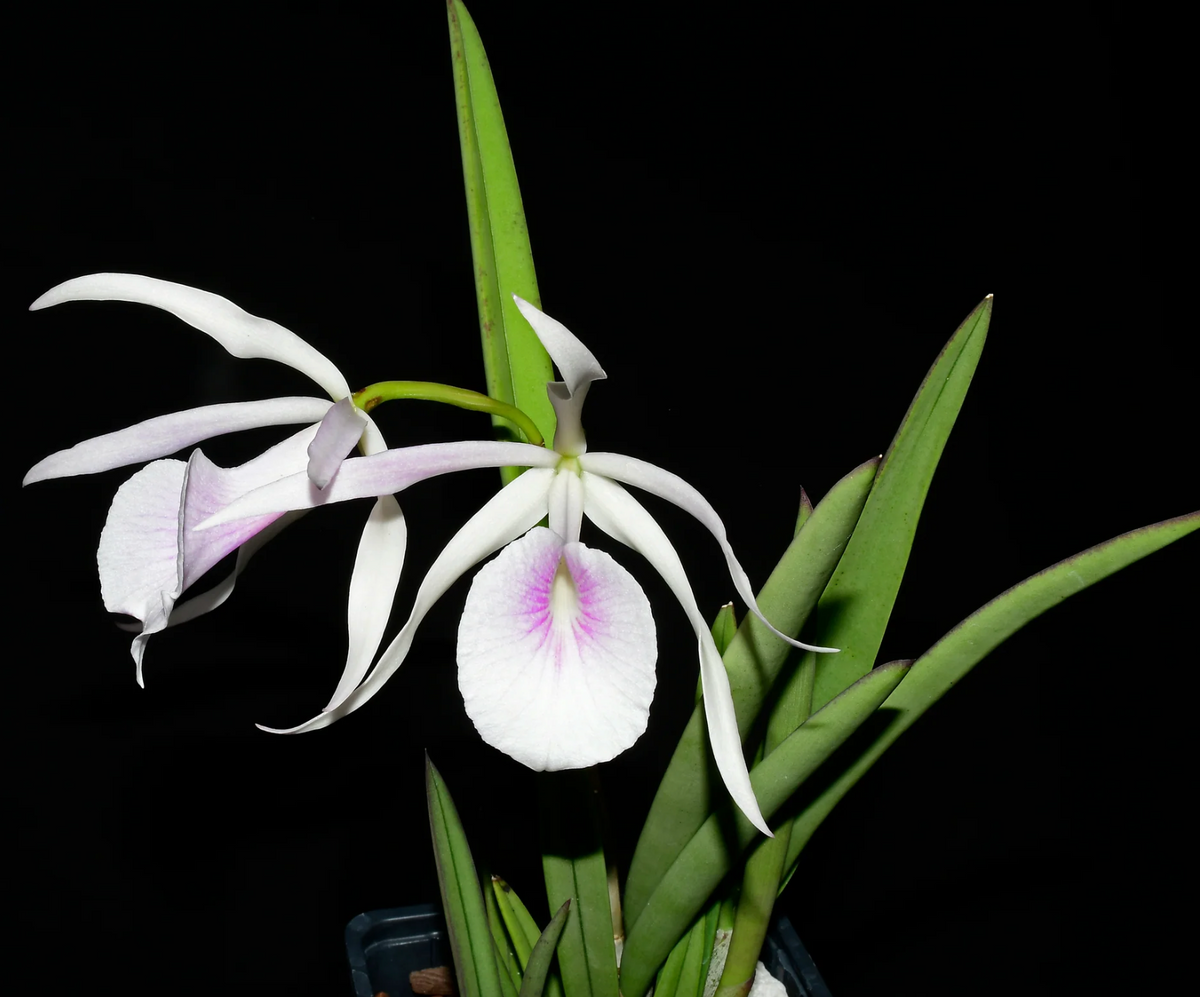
556	653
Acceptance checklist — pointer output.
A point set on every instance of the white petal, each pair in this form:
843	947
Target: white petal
383	474
622	517
556	653
674	489
166	434
510	513
372	589
338	434
141	574
573	360
242	334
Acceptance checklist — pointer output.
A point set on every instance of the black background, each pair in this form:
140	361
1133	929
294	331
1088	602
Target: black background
765	222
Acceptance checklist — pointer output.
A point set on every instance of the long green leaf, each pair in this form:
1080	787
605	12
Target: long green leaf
523	931
516	365
857	604
538	967
710	854
974	638
763	866
518	922
689	787
506	956
691	974
466	920
666	983
574	869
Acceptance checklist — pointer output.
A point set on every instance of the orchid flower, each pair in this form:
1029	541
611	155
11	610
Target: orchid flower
149	553
556	645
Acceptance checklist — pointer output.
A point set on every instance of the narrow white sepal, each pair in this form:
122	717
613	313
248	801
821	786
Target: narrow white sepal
574	360
664	484
373	584
242	334
167	434
510	513
383	474
623	518
578	368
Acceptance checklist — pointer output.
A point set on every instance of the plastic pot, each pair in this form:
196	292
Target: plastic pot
384	946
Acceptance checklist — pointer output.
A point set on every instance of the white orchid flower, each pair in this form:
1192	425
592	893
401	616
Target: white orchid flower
556	646
149	553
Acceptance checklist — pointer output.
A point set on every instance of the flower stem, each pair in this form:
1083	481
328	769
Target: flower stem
387	391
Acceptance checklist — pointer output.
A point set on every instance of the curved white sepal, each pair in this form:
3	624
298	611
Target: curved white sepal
573	360
673	488
338	433
508	514
556	654
578	368
166	434
373	584
622	517
383	474
242	334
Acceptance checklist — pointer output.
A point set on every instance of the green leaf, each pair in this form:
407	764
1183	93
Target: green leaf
522	929
510	968
466	920
574	869
689	788
666	983
711	852
857	604
516	365
766	859
724	627
691	973
538	966
974	638
806	508
518	922
711	919
686	969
